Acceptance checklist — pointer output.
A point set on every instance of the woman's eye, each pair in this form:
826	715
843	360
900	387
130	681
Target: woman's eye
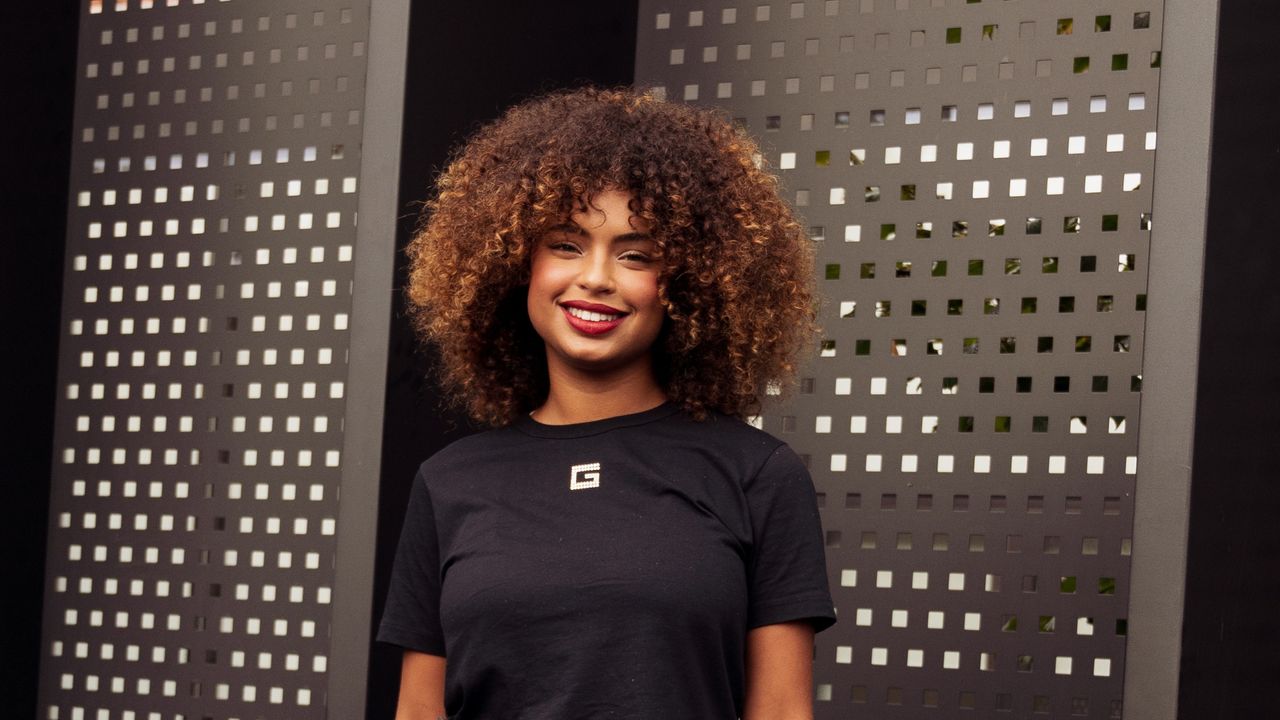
636	257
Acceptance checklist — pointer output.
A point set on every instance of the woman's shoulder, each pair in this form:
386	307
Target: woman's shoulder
731	436
731	427
466	451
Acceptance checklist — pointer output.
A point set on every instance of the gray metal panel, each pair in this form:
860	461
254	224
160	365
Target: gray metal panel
973	433
203	374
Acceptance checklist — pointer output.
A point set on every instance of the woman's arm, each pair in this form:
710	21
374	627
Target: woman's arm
780	672
421	687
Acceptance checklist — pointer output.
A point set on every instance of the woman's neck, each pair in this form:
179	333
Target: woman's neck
577	396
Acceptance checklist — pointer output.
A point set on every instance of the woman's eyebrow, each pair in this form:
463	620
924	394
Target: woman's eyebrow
573	228
567	227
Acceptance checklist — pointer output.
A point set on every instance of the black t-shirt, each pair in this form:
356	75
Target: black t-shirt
608	569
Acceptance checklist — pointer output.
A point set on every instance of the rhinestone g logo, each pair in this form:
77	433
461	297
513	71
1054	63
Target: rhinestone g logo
584	476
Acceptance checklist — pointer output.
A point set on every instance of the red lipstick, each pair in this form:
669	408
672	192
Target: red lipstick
593	307
589	326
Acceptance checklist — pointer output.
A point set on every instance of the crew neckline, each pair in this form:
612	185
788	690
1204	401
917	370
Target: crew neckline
530	426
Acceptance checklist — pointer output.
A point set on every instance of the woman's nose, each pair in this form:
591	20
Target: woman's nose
597	273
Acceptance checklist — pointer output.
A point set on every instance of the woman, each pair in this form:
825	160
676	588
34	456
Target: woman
611	282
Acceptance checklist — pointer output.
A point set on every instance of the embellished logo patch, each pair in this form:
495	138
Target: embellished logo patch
584	476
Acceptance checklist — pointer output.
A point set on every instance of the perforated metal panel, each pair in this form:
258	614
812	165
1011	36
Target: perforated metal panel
204	359
977	179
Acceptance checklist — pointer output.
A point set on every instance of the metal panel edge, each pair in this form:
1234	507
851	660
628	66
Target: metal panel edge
370	315
1162	503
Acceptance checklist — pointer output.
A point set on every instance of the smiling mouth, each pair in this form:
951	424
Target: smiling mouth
592	322
592	316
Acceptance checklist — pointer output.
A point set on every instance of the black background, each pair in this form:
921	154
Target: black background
1231	626
38	47
467	62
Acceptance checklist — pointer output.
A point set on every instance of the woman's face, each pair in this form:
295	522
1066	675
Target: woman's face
593	289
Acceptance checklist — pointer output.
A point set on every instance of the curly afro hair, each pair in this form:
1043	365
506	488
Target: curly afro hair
736	266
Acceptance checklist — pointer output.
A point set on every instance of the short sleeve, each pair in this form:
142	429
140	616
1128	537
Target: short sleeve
787	569
411	617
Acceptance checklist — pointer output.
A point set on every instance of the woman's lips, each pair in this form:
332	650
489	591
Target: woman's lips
593	307
590	318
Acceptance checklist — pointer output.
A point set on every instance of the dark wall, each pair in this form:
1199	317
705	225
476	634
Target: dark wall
468	62
1231	629
39	40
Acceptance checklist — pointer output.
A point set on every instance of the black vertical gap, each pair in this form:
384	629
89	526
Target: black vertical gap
467	62
40	41
1231	627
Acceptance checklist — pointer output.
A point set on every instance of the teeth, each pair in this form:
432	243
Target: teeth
590	316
